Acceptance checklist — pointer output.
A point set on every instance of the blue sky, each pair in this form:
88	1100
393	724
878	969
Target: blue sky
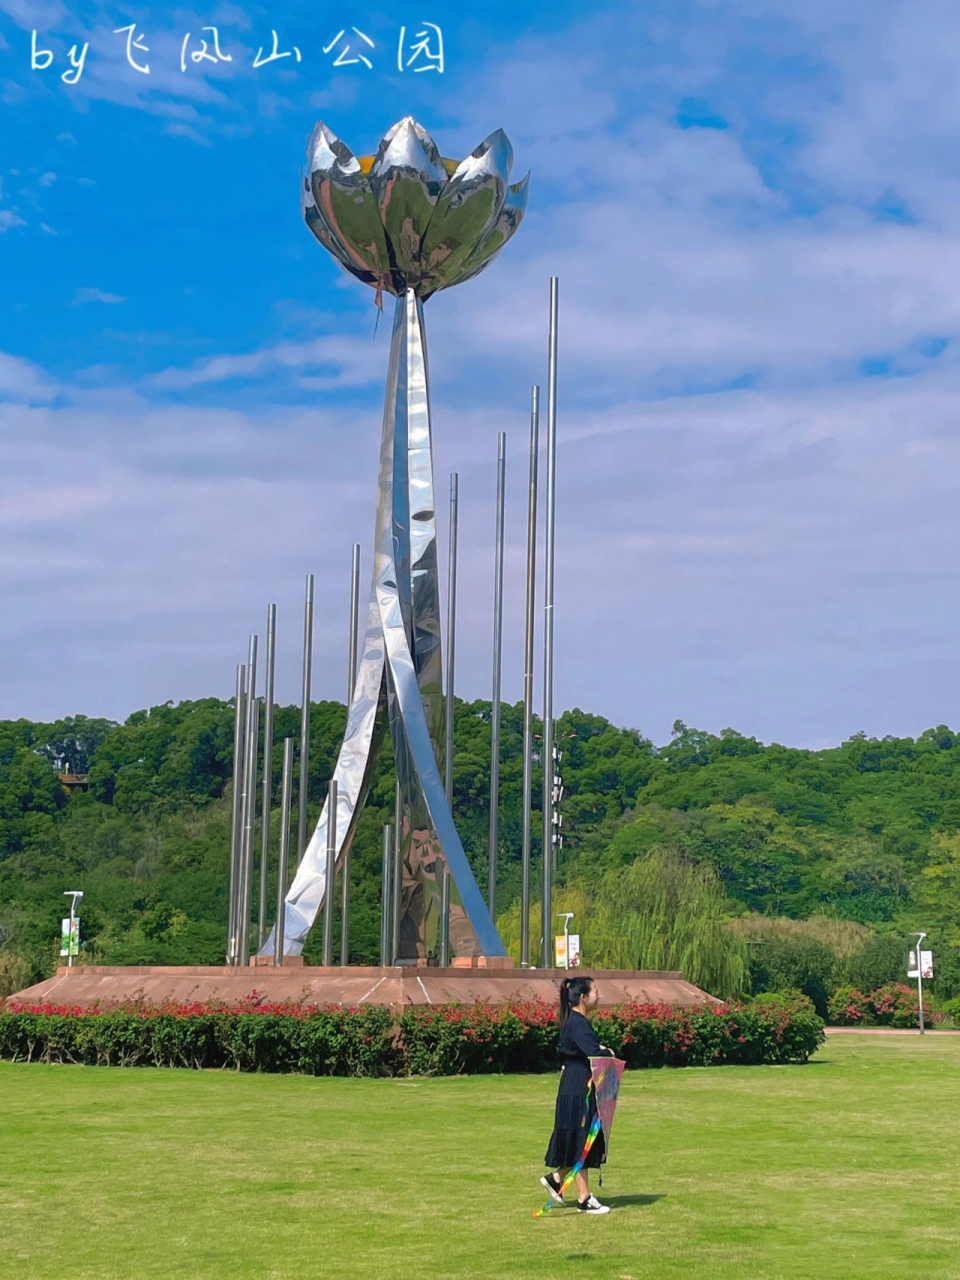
752	210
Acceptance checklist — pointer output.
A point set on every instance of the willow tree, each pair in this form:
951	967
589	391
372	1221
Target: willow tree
660	912
666	912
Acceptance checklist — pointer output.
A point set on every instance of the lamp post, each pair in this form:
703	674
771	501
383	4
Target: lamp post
920	937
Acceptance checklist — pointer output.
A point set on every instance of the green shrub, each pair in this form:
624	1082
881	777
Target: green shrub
797	963
881	960
792	1001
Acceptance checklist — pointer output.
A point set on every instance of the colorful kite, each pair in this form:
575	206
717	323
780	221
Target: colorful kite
605	1081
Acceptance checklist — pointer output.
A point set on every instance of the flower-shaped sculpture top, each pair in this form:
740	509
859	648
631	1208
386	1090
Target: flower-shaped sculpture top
406	218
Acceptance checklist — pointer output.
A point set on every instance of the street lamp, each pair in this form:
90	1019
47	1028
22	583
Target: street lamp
73	895
919	937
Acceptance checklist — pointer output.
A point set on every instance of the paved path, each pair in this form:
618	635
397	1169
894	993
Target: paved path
887	1031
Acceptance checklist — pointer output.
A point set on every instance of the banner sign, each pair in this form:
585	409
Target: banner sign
70	936
564	945
925	969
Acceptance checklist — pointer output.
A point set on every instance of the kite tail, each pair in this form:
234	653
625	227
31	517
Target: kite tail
575	1170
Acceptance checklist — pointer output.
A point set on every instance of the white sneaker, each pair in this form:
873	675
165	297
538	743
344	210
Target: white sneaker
592	1205
552	1186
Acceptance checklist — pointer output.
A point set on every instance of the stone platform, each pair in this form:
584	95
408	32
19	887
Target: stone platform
86	985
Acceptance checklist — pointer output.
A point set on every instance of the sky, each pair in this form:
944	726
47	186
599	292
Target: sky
751	206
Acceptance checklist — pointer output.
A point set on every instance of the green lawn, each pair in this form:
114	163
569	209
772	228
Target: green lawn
845	1167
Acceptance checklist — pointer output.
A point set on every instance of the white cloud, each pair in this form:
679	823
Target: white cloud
22	380
42	14
9	219
81	296
789	538
349	361
47	179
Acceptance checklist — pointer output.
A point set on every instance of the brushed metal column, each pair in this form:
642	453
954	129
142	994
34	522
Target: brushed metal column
267	773
548	621
396	903
528	674
286	796
331	872
304	776
386	896
497	665
236	813
444	956
249	803
246	901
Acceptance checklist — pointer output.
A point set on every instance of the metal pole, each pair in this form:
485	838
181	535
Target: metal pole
528	678
354	616
444	956
249	802
246	903
451	636
286	795
492	843
547	758
303	780
385	895
267	773
397	874
330	887
236	810
345	909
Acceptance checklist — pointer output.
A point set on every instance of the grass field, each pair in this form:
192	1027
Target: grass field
847	1166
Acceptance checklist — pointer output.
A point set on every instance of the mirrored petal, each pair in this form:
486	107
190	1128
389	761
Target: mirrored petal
406	179
509	218
346	204
466	210
314	220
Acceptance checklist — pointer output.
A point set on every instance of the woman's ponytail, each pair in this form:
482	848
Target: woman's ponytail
572	990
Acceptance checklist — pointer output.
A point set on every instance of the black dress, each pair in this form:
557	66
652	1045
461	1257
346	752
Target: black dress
574	1115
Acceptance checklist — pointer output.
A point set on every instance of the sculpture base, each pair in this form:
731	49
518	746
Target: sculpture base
106	985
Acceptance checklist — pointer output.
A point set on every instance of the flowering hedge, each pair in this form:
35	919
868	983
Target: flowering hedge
848	1008
893	1005
372	1041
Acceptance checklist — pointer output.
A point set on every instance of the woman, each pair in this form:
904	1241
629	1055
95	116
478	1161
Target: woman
575	1113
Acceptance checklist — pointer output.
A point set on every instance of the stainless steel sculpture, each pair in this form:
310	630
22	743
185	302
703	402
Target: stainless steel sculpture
303	778
409	223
